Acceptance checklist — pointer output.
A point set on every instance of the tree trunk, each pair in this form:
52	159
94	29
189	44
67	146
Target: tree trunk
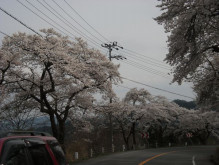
126	139
53	125
61	133
58	130
133	134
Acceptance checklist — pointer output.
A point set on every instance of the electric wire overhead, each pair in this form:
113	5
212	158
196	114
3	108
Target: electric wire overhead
4	34
145	69
51	19
142	55
20	21
60	29
41	17
145	59
74	20
132	88
157	88
141	59
86	21
68	23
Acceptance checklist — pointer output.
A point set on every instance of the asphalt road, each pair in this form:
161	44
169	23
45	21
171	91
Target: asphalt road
197	155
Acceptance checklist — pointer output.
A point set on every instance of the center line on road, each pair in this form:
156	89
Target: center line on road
147	160
193	160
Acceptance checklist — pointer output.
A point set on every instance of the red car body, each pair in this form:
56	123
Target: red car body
35	150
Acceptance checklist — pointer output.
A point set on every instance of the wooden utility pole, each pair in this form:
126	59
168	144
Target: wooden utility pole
110	47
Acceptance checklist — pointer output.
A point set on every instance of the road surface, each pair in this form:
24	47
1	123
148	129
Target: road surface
197	155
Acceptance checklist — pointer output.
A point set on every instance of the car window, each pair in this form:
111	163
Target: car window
16	156
39	155
58	152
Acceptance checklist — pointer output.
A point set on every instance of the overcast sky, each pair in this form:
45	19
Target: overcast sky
128	22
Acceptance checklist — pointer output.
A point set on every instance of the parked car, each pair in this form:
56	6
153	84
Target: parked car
30	148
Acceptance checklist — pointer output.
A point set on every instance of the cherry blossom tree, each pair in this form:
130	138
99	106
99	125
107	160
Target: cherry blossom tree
178	121
159	117
200	124
57	73
138	99
123	115
193	43
8	60
207	86
165	121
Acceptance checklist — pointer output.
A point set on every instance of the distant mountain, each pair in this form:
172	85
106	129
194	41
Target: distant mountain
42	121
186	104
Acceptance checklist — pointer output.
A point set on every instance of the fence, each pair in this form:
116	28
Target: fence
85	149
98	151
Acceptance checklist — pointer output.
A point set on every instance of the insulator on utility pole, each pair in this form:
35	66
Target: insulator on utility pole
112	46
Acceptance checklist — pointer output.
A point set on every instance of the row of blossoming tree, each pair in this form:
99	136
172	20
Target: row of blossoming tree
162	121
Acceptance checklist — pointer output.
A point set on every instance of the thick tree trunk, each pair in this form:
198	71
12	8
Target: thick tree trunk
58	129
126	139
61	135
61	128
133	133
53	125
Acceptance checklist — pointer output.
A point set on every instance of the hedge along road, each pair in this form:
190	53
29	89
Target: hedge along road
197	155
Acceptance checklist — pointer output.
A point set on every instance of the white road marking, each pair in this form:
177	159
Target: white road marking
193	160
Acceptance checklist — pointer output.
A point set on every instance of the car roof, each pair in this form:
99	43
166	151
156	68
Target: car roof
43	138
25	136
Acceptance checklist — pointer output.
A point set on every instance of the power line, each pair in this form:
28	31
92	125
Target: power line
137	58
86	21
4	34
132	88
73	20
53	22
72	26
146	59
139	54
144	69
41	18
123	86
20	21
156	88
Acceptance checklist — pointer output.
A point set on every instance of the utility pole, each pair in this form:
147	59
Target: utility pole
110	47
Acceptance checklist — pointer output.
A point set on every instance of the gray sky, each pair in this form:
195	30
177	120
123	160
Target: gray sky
129	22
